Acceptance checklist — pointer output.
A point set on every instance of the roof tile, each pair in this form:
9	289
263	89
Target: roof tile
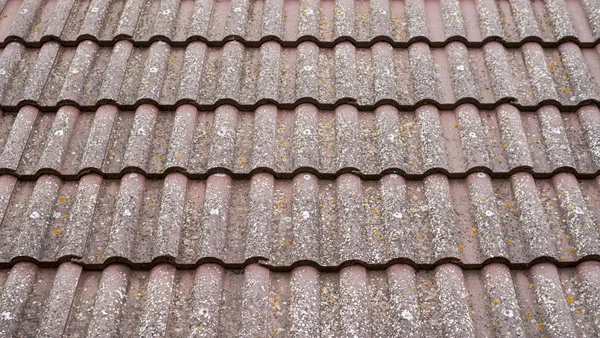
544	300
327	222
247	77
503	141
325	22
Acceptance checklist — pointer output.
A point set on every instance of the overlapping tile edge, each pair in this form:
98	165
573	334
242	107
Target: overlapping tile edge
210	301
89	76
70	143
305	220
324	22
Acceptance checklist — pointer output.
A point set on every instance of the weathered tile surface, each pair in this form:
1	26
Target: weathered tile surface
212	301
299	168
88	75
513	22
329	223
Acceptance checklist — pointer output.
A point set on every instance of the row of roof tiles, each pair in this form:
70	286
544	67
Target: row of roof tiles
327	223
89	75
543	301
69	142
361	21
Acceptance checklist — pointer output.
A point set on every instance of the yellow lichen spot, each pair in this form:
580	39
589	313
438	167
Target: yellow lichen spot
571	251
200	328
177	157
289	242
242	162
474	232
376	232
334	201
161	169
276	303
284	144
505	145
137	294
566	90
510	241
375	212
286	200
527	314
541	325
495	302
57	232
461	248
570	300
580	310
456	125
62	199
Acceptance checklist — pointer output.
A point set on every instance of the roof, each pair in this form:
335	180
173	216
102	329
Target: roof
299	168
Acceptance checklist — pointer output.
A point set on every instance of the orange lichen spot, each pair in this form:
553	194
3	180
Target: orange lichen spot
571	251
570	300
461	248
456	125
57	232
474	232
177	157
527	314
375	212
62	199
495	302
286	200
289	242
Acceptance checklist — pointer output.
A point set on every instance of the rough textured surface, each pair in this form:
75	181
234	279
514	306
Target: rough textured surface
327	223
326	22
70	143
88	75
544	301
299	168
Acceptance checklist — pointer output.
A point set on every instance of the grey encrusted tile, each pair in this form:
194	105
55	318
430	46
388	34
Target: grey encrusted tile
305	218
199	142
88	75
210	300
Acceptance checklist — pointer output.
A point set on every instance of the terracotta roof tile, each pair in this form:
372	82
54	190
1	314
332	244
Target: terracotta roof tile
398	301
89	75
326	22
305	219
302	168
501	141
